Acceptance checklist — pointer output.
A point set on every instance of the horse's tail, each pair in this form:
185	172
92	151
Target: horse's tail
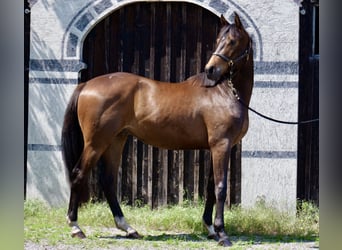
72	142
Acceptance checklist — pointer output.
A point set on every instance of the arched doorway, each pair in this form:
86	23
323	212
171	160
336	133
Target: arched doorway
163	41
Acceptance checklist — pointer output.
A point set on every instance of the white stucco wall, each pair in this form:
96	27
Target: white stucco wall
269	157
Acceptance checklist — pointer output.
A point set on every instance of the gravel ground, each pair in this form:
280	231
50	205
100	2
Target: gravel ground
259	243
281	246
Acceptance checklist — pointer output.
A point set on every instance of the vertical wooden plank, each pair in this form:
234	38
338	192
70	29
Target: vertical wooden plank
121	35
165	70
137	40
107	45
172	187
202	173
162	178
134	169
196	175
198	29
114	49
99	51
152	42
155	176
234	180
147	174
128	38
180	176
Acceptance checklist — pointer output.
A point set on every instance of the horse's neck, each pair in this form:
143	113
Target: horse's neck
244	81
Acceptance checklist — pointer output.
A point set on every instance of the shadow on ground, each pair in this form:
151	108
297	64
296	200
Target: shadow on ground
243	240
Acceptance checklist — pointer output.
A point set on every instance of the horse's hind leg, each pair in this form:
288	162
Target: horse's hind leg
88	159
108	180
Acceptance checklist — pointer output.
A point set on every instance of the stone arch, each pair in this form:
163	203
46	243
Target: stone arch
87	17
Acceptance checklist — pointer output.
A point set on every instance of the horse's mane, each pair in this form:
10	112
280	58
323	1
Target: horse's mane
201	79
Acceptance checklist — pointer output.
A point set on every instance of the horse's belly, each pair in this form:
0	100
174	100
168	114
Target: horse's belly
171	137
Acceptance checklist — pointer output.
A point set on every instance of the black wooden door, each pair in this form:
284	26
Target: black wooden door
308	166
162	41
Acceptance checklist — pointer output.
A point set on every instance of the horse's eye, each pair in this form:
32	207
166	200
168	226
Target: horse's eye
232	42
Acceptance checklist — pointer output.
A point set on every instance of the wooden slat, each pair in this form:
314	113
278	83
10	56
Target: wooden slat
147	175
234	180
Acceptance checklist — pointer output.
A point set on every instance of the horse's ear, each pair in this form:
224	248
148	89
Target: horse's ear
237	21
224	22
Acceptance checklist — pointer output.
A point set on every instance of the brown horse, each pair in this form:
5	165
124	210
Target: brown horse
202	112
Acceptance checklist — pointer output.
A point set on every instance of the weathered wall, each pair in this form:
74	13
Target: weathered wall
269	150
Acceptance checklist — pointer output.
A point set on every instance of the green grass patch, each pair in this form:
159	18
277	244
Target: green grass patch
267	221
169	227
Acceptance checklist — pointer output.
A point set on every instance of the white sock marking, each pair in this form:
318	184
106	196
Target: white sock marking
74	226
122	224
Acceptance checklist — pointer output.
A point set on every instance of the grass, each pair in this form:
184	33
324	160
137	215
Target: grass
169	227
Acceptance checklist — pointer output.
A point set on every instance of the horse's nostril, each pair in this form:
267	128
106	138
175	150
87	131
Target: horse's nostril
210	70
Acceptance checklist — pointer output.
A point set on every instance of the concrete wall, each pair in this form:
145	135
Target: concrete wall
269	157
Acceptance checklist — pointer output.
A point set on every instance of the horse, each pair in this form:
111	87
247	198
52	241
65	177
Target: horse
202	112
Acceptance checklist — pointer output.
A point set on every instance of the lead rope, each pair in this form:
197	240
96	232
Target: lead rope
235	92
272	119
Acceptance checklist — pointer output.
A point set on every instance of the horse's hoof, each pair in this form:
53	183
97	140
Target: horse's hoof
213	237
78	234
134	235
225	242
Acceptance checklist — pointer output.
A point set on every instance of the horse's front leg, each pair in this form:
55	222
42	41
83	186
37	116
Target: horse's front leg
220	155
209	206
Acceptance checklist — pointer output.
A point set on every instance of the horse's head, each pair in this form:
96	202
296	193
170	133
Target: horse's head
233	45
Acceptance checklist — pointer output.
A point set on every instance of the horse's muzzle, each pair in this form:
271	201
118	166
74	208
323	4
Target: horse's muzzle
213	72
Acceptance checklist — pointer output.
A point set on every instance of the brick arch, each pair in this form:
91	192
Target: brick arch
87	17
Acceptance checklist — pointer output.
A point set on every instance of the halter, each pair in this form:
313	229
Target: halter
235	92
231	61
